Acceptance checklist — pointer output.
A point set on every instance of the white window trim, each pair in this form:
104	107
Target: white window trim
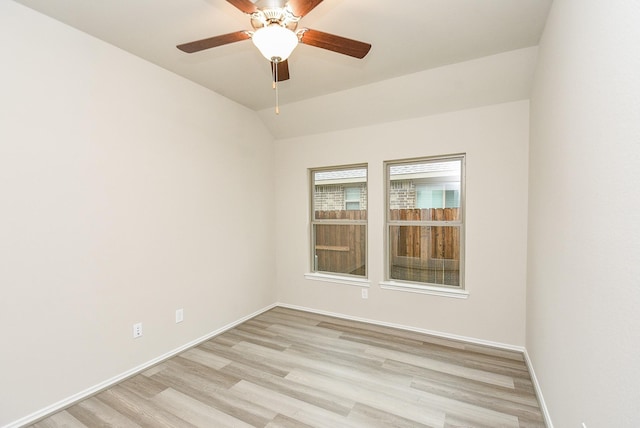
388	283
358	282
337	277
416	287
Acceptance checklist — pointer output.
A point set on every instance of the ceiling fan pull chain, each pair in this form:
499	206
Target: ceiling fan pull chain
275	84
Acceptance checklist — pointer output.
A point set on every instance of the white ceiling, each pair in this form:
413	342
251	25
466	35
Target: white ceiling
407	37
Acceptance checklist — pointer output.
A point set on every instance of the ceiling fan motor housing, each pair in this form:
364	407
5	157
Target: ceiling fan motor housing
282	16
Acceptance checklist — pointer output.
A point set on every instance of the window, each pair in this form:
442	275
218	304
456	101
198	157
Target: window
438	195
339	221
352	198
424	222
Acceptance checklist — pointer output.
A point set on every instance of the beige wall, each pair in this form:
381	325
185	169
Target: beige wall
583	326
109	205
495	140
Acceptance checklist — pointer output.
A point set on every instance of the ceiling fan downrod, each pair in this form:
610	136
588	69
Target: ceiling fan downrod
275	61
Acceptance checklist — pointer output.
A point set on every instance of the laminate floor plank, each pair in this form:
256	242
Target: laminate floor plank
93	413
305	361
276	342
338	349
293	408
139	409
444	353
364	330
455	386
222	399
358	360
61	419
405	405
306	334
353	370
246	359
281	421
303	392
206	358
155	369
195	411
287	368
371	336
376	418
180	364
292	316
144	386
445	367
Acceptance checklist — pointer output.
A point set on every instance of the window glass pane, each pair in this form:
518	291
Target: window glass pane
352	198
352	205
441	195
352	193
452	199
427	254
417	188
340	248
337	191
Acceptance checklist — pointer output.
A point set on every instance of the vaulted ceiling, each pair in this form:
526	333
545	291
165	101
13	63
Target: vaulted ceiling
408	36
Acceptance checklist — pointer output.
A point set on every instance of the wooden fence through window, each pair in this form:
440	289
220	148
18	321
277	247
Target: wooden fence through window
342	248
423	242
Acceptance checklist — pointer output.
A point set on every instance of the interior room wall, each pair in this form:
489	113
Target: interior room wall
126	193
584	237
495	139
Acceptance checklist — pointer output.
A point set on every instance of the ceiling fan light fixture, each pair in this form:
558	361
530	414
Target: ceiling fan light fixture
275	42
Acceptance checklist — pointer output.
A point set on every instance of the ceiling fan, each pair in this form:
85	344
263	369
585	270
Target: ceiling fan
276	34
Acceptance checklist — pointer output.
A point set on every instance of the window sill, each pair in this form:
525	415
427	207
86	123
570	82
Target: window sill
425	289
338	279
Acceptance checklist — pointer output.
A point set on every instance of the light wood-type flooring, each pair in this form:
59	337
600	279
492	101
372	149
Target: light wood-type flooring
287	368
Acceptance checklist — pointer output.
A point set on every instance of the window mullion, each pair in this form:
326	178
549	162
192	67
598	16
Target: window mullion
423	223
339	222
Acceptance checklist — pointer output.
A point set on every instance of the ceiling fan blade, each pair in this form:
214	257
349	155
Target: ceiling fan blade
244	5
283	70
302	7
212	42
335	43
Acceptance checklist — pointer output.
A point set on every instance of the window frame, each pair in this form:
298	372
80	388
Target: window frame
337	277
455	291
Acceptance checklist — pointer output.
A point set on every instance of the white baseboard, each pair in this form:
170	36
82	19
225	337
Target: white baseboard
536	386
56	407
473	340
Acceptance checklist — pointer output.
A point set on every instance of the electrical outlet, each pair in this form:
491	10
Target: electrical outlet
365	293
137	330
179	315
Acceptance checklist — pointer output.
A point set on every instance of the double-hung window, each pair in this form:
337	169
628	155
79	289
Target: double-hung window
339	221
425	223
